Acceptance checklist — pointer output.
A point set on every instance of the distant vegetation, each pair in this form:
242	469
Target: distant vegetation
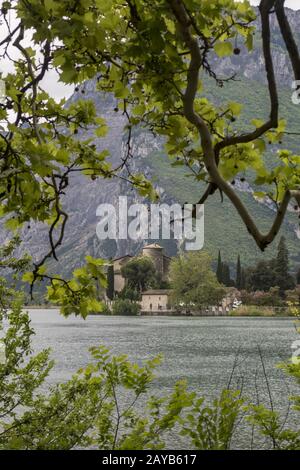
194	284
125	307
266	274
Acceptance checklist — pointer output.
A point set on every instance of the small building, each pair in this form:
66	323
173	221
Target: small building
155	301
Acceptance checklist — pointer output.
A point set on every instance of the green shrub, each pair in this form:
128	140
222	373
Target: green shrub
261	298
252	311
87	410
106	310
131	294
125	307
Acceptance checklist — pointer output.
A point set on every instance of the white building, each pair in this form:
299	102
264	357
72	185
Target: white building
155	301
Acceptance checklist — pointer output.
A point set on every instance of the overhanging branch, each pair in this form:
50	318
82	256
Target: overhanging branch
288	37
210	162
265	7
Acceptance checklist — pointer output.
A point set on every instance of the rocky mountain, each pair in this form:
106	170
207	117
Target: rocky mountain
251	64
223	229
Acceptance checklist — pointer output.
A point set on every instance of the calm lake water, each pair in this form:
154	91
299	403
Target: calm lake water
202	350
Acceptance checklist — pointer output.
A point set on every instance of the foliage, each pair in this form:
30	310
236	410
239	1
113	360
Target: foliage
39	147
134	69
85	410
272	273
256	311
160	282
211	426
259	298
130	294
239	274
79	295
223	272
270	426
139	273
193	282
262	276
106	309
283	278
293	296
125	307
223	227
219	267
269	422
106	405
226	277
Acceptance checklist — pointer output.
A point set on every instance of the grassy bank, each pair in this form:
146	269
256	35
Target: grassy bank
257	311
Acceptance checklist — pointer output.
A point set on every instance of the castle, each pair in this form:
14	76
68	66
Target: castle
157	301
153	251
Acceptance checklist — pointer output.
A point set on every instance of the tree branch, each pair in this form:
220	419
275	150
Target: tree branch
265	7
288	37
179	12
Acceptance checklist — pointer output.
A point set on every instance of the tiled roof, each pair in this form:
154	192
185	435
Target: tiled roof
121	257
154	245
157	292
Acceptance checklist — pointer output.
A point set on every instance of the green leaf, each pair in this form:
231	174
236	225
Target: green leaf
223	49
101	131
235	107
28	277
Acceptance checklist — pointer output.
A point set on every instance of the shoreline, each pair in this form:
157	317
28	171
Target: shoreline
52	307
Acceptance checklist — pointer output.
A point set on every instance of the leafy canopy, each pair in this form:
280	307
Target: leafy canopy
194	283
139	273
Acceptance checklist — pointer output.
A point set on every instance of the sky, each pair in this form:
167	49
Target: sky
58	90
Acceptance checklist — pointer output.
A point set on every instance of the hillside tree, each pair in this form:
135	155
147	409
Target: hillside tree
219	267
284	280
239	274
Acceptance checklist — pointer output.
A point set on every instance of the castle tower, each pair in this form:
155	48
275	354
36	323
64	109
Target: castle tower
155	252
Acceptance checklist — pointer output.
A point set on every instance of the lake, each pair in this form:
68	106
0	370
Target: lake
202	350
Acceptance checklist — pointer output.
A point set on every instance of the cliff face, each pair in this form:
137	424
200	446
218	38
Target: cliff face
84	195
251	64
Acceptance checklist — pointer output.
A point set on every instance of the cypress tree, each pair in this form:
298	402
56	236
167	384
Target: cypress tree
226	274
282	260
110	290
298	276
238	281
284	280
243	279
219	271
